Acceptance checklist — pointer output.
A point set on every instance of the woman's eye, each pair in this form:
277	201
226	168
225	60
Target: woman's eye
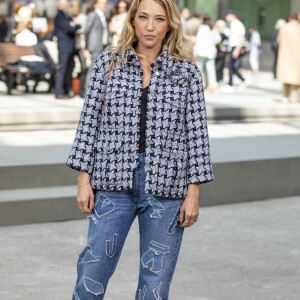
160	19
142	17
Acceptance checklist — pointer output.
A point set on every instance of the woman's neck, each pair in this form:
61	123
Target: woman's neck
150	53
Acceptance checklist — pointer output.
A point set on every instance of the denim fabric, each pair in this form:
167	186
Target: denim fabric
160	240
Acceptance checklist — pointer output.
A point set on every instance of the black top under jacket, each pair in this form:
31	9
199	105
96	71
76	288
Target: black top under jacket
143	119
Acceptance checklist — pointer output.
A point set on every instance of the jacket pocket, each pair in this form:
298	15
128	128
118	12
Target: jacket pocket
176	160
114	110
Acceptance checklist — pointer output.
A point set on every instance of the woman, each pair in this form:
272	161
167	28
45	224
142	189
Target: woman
255	50
142	149
205	50
117	21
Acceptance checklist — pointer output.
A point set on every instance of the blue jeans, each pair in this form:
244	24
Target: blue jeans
160	240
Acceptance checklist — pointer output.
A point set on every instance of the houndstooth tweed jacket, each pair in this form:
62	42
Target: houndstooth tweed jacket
177	145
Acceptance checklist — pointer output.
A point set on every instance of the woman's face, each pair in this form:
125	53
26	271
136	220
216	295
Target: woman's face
151	24
122	7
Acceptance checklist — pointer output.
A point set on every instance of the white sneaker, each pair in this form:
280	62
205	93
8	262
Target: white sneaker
244	84
227	88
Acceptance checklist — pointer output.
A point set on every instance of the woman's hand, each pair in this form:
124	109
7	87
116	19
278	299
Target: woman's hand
189	209
85	195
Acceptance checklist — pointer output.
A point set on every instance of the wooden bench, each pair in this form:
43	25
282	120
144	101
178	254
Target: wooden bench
10	55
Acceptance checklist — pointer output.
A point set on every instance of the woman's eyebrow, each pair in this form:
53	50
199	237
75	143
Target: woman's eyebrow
142	12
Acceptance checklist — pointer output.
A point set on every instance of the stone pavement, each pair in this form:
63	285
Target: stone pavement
246	251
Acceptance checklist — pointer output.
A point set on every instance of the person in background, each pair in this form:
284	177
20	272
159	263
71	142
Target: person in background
25	37
193	24
235	44
65	31
184	16
274	45
255	50
220	26
3	29
82	57
205	51
80	19
12	24
288	63
96	32
117	21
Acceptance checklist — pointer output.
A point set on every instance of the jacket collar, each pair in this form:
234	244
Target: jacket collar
163	57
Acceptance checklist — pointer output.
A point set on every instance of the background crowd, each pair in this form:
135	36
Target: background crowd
74	38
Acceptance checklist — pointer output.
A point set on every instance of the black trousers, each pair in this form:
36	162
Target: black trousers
234	66
63	76
220	64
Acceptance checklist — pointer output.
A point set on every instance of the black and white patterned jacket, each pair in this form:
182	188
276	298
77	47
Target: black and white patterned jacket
177	145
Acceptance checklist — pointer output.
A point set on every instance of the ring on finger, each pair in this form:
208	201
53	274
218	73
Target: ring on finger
187	222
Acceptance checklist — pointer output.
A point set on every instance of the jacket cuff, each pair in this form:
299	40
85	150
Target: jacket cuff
75	164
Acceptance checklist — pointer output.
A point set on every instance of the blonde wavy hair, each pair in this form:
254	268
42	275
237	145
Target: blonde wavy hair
177	45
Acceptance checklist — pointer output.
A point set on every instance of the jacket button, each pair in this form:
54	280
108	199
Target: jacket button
147	164
153	93
109	94
106	149
149	140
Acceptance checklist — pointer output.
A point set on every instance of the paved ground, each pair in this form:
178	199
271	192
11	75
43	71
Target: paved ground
234	252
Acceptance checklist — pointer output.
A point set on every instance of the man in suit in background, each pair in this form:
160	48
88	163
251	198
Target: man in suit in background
65	30
96	32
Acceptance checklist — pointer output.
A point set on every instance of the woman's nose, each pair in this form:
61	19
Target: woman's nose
150	25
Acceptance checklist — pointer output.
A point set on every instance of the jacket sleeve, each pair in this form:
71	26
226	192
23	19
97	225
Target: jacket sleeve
88	28
199	162
65	25
81	156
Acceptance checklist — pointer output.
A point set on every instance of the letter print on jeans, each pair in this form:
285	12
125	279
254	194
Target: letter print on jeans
156	292
157	207
110	248
142	293
106	207
174	222
88	256
153	258
92	286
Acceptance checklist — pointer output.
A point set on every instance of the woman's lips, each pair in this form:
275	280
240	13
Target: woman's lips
150	37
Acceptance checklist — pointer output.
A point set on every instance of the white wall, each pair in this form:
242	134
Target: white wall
295	6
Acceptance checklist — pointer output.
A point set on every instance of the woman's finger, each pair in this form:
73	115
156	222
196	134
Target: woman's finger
181	215
91	202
